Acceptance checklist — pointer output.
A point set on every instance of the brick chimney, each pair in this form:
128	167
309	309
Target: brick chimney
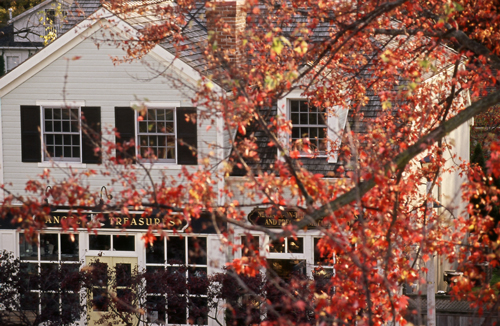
226	22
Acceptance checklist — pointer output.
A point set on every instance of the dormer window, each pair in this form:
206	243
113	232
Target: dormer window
309	126
318	128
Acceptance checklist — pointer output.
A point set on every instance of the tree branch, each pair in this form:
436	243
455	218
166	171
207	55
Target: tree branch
401	160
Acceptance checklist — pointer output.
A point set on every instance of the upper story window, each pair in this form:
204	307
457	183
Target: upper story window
12	62
164	132
66	131
318	128
156	135
308	122
61	134
53	21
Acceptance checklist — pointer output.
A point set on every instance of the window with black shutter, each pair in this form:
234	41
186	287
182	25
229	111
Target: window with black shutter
57	133
161	135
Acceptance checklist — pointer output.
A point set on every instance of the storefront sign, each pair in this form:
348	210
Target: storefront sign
274	218
133	221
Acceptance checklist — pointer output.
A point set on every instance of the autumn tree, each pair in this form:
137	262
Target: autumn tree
386	81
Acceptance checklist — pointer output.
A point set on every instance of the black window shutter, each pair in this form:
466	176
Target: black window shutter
91	135
187	137
125	126
31	144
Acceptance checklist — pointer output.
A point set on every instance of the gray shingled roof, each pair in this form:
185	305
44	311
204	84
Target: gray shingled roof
78	11
196	37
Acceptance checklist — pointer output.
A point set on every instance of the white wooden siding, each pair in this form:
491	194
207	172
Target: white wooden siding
94	79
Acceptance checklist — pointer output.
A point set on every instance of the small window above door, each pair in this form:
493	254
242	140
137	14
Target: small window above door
105	242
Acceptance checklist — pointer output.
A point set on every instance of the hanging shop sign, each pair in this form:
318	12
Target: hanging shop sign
276	218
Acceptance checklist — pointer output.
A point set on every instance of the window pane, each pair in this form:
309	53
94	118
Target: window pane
48	125
99	273
176	250
176	309
303	118
124	242
324	258
50	306
28	251
160	114
169	115
49	277
49	247
57	126
12	62
99	299
123	274
151	114
156	306
76	151
296	246
294	106
30	301
48	113
70	306
250	245
197	280
70	274
74	114
58	152
155	253
99	242
169	127
198	311
176	277
30	278
66	126
313	118
155	276
197	249
277	246
125	299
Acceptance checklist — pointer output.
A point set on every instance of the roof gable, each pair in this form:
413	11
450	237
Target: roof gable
76	35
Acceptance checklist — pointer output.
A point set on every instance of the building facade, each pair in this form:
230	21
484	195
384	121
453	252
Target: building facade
40	104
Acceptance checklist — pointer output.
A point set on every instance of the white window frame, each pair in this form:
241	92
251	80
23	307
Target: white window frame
64	106
155	105
336	121
186	264
39	261
7	65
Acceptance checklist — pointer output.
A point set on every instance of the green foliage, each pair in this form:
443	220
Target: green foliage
18	7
